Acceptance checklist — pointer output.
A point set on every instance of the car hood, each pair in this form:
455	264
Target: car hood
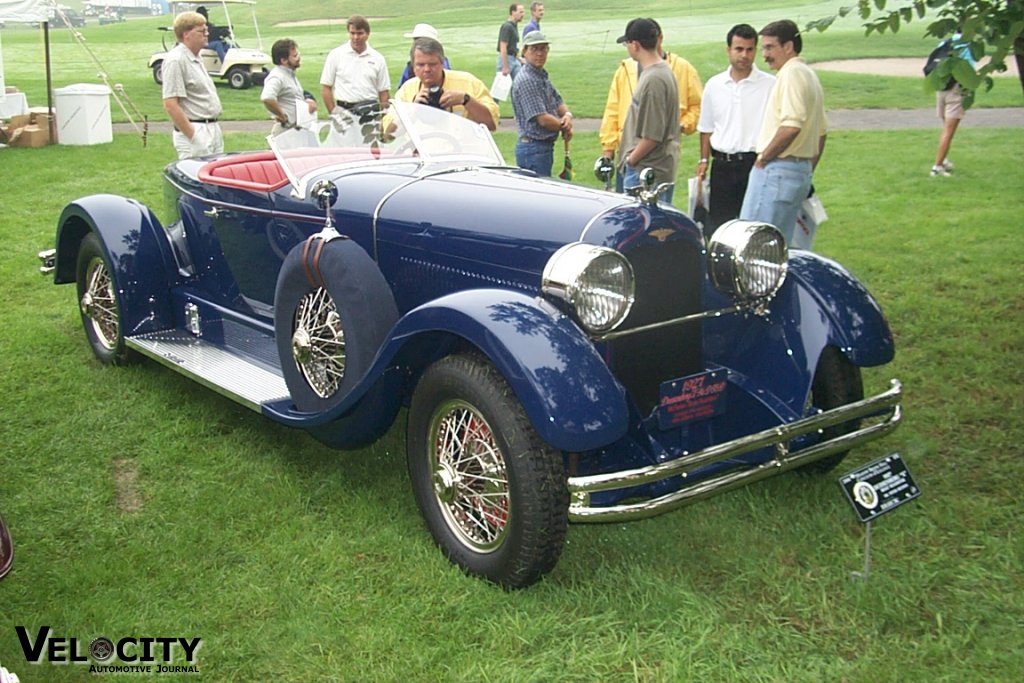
499	215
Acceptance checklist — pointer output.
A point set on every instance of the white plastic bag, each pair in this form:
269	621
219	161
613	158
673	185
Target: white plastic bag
699	192
501	86
811	215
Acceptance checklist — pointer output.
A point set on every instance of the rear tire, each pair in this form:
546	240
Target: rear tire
837	382
239	78
100	305
493	494
158	73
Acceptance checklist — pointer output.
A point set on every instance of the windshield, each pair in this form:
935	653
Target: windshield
369	136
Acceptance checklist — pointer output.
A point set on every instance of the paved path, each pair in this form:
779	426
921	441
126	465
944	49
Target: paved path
856	119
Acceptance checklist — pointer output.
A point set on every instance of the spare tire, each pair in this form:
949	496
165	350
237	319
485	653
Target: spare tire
332	311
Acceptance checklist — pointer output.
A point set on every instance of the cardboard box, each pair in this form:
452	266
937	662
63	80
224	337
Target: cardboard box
33	130
18	121
31	136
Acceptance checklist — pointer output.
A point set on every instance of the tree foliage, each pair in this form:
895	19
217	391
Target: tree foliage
993	28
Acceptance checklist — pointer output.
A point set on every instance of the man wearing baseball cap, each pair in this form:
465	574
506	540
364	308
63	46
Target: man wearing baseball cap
541	114
420	31
650	138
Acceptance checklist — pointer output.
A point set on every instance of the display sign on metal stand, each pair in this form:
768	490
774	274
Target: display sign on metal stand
874	489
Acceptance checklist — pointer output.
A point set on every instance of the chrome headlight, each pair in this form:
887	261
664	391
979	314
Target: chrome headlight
596	282
748	259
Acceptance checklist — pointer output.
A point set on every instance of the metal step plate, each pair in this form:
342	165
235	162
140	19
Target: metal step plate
229	374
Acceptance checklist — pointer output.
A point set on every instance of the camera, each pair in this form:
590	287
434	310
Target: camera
434	96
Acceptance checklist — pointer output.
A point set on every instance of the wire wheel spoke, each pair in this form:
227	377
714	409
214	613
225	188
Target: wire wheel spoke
99	303
318	342
470	477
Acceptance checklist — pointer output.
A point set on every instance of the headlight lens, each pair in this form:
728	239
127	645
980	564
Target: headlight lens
748	259
596	282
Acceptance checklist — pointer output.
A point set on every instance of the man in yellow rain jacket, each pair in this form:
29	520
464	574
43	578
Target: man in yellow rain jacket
621	93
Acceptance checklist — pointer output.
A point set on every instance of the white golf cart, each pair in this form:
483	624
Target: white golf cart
242	67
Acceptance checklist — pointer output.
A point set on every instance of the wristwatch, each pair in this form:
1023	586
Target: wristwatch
465	99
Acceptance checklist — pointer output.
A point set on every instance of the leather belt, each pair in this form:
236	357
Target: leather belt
178	130
545	142
354	105
729	158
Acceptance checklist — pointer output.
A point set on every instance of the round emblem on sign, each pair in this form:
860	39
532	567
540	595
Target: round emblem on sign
865	494
101	649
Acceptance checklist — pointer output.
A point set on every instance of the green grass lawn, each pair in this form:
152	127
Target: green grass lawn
144	505
584	53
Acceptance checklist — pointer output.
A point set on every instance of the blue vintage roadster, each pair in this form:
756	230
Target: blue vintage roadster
565	354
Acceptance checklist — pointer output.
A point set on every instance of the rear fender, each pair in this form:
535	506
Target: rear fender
137	250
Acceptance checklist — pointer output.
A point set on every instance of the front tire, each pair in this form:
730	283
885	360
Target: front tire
158	73
493	494
100	305
837	382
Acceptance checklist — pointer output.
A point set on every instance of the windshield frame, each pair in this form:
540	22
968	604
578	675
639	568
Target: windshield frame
405	132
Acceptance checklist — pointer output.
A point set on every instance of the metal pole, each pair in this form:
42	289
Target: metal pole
51	113
864	575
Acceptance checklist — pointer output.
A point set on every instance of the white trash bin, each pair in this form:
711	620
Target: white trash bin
83	114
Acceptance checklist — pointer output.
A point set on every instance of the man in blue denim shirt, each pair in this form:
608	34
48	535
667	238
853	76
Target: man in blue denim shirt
540	111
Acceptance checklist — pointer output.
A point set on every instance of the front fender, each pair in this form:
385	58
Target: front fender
568	393
136	249
856	324
563	384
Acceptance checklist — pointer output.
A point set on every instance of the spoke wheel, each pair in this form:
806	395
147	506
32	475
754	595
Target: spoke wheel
469	476
318	342
492	493
99	305
327	332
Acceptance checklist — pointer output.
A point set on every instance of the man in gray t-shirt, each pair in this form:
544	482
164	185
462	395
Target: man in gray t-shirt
190	97
282	93
650	138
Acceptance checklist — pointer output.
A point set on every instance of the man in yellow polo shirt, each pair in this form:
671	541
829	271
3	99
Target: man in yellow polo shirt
456	91
792	136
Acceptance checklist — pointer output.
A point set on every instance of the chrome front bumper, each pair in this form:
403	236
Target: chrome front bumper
884	408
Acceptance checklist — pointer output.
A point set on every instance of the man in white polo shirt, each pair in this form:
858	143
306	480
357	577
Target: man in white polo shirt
190	97
730	119
355	76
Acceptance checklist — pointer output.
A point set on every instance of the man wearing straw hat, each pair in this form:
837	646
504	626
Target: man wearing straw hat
541	114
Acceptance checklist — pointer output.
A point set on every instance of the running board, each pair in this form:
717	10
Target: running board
227	373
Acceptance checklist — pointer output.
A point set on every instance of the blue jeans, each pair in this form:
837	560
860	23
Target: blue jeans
775	193
534	156
220	47
513	66
630	177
